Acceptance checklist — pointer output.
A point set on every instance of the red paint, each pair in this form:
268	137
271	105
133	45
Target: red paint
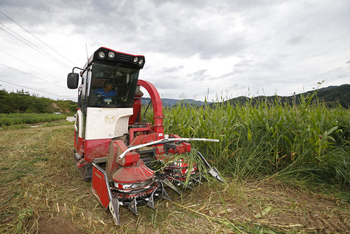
133	174
141	131
96	149
79	146
136	117
117	148
143	139
157	106
99	187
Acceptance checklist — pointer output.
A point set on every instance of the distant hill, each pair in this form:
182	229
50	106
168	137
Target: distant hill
332	96
23	102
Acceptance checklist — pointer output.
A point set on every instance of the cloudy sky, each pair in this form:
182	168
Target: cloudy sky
194	49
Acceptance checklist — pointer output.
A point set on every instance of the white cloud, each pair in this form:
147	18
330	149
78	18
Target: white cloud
232	48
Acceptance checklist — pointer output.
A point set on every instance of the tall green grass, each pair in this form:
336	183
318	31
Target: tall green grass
13	119
308	141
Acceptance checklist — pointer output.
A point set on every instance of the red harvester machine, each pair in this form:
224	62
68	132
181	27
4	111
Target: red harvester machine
114	148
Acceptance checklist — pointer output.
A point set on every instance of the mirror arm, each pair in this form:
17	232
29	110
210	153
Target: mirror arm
77	68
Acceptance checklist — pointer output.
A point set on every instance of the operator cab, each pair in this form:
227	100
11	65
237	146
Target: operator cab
112	86
109	79
106	100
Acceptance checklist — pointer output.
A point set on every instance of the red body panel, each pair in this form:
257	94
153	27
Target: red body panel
99	187
157	106
133	174
117	148
139	131
91	149
143	139
136	117
96	149
79	145
186	146
130	169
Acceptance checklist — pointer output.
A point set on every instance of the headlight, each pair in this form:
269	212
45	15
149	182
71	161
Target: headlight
111	55
101	55
135	59
141	62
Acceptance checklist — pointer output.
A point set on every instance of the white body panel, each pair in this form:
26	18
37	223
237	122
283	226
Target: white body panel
102	123
78	126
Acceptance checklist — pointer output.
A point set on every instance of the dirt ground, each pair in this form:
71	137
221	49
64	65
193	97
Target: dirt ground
282	208
57	225
287	209
42	192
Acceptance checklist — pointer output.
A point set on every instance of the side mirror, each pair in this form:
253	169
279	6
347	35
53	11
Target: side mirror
72	80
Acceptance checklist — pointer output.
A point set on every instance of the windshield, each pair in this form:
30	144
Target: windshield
112	86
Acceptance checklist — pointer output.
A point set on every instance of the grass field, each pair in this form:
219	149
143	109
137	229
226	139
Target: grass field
308	142
29	118
41	192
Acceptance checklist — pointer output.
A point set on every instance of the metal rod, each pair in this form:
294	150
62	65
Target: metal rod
163	141
204	160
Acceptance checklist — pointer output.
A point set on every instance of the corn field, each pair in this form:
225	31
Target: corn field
308	142
263	147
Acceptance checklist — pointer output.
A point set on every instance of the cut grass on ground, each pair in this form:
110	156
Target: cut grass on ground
43	193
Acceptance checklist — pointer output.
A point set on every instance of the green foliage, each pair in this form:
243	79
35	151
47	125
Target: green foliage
12	119
23	102
332	97
307	141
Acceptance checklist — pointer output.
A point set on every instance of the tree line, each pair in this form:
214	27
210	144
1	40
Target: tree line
23	102
332	97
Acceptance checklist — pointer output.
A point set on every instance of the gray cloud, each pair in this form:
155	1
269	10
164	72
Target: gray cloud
169	83
218	44
198	73
172	69
295	40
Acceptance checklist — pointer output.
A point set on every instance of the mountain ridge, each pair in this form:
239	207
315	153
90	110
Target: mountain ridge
331	95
